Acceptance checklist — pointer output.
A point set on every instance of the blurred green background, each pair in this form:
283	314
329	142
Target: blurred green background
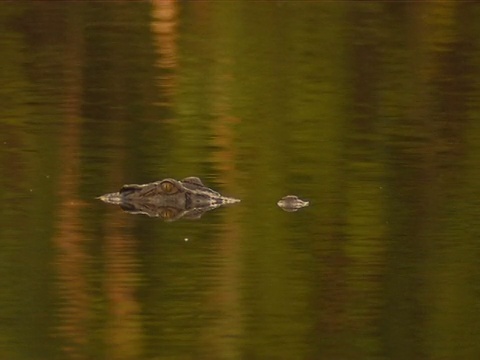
370	110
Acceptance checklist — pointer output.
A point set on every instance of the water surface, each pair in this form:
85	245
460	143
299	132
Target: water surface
368	110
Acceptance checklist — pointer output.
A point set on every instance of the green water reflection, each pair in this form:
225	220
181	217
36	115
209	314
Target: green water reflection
368	110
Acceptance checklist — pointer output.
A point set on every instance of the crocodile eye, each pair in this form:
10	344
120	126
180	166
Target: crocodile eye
168	187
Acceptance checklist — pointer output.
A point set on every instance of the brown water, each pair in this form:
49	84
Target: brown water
371	111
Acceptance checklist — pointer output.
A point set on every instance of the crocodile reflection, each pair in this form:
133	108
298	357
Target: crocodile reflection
168	199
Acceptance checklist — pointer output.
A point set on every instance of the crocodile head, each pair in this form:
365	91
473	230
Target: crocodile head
169	199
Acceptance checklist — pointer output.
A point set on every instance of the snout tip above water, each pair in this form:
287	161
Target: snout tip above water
110	198
231	200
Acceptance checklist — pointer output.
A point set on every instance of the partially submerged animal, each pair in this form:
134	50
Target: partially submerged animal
169	199
292	203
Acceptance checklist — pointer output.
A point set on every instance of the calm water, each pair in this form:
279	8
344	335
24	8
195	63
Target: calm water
369	110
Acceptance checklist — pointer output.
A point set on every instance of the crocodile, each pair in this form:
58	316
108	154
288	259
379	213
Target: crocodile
171	199
292	203
168	199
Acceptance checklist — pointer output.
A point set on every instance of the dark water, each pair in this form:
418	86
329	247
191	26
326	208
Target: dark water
369	110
